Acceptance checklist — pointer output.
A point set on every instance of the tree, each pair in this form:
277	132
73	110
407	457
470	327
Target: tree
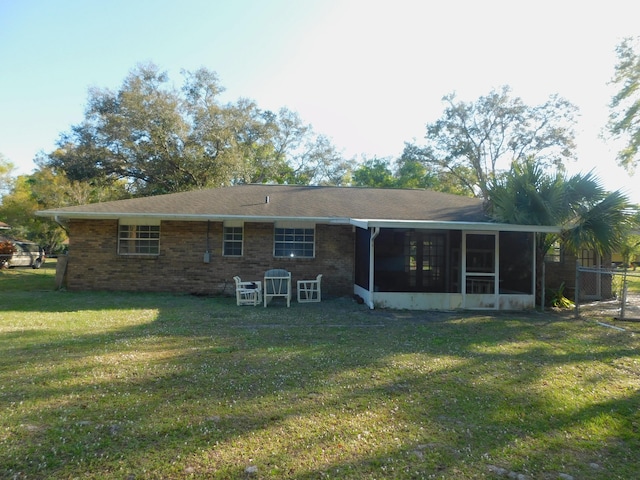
590	217
408	171
306	158
6	169
159	139
473	142
629	250
42	190
374	172
624	119
413	172
18	209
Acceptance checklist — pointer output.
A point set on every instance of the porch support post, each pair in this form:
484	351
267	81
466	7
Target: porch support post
374	233
543	298
543	273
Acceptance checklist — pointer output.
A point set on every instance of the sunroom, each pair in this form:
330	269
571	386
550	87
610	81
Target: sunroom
446	265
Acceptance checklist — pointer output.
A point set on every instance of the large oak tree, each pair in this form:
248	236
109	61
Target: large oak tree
473	142
624	119
159	139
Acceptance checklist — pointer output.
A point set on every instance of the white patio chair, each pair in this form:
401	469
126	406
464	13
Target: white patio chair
248	293
309	290
277	283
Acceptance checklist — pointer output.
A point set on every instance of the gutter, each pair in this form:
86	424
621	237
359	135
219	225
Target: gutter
61	216
60	222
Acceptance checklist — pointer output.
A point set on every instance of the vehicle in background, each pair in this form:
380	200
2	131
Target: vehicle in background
25	254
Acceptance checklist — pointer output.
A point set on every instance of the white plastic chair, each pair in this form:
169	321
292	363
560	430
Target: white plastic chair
277	283
248	293
309	290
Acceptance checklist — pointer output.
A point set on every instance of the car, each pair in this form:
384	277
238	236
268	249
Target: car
26	254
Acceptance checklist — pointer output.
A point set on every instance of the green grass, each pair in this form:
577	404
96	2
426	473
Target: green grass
633	281
115	385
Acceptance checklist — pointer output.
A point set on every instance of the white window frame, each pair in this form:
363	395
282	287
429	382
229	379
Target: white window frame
146	232
295	227
232	241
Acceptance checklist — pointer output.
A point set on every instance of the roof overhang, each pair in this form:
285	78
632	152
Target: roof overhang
62	216
439	225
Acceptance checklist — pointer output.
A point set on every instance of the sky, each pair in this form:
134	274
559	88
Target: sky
368	74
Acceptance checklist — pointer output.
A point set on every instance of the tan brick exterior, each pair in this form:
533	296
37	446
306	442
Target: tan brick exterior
565	272
94	263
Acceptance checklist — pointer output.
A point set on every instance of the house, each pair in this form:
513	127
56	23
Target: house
394	248
4	226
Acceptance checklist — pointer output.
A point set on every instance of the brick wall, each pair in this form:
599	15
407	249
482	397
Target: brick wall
565	272
94	263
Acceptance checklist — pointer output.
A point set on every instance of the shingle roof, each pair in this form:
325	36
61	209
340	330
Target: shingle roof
290	201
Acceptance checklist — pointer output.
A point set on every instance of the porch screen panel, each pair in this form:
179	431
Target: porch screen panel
390	271
480	253
362	257
408	260
516	263
426	261
433	262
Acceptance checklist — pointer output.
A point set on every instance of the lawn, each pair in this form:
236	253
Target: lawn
137	386
633	281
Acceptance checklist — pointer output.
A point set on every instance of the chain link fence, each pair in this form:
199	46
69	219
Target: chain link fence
604	294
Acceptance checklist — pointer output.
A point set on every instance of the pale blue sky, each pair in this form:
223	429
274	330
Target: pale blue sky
369	74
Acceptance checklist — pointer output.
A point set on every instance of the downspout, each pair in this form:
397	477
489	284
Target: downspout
61	222
207	255
374	233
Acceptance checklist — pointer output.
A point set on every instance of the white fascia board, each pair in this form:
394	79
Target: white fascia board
358	222
184	217
438	225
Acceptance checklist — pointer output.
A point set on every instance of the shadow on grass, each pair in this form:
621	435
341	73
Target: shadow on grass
147	386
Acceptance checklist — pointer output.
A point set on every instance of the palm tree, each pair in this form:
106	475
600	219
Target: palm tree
590	217
629	250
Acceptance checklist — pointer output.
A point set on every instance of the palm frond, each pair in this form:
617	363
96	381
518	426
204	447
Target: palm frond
603	226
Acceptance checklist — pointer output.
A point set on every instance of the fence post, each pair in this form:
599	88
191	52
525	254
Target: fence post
577	290
543	299
624	294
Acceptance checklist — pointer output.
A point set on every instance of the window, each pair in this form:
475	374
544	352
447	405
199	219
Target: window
589	258
232	244
139	239
554	254
294	242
